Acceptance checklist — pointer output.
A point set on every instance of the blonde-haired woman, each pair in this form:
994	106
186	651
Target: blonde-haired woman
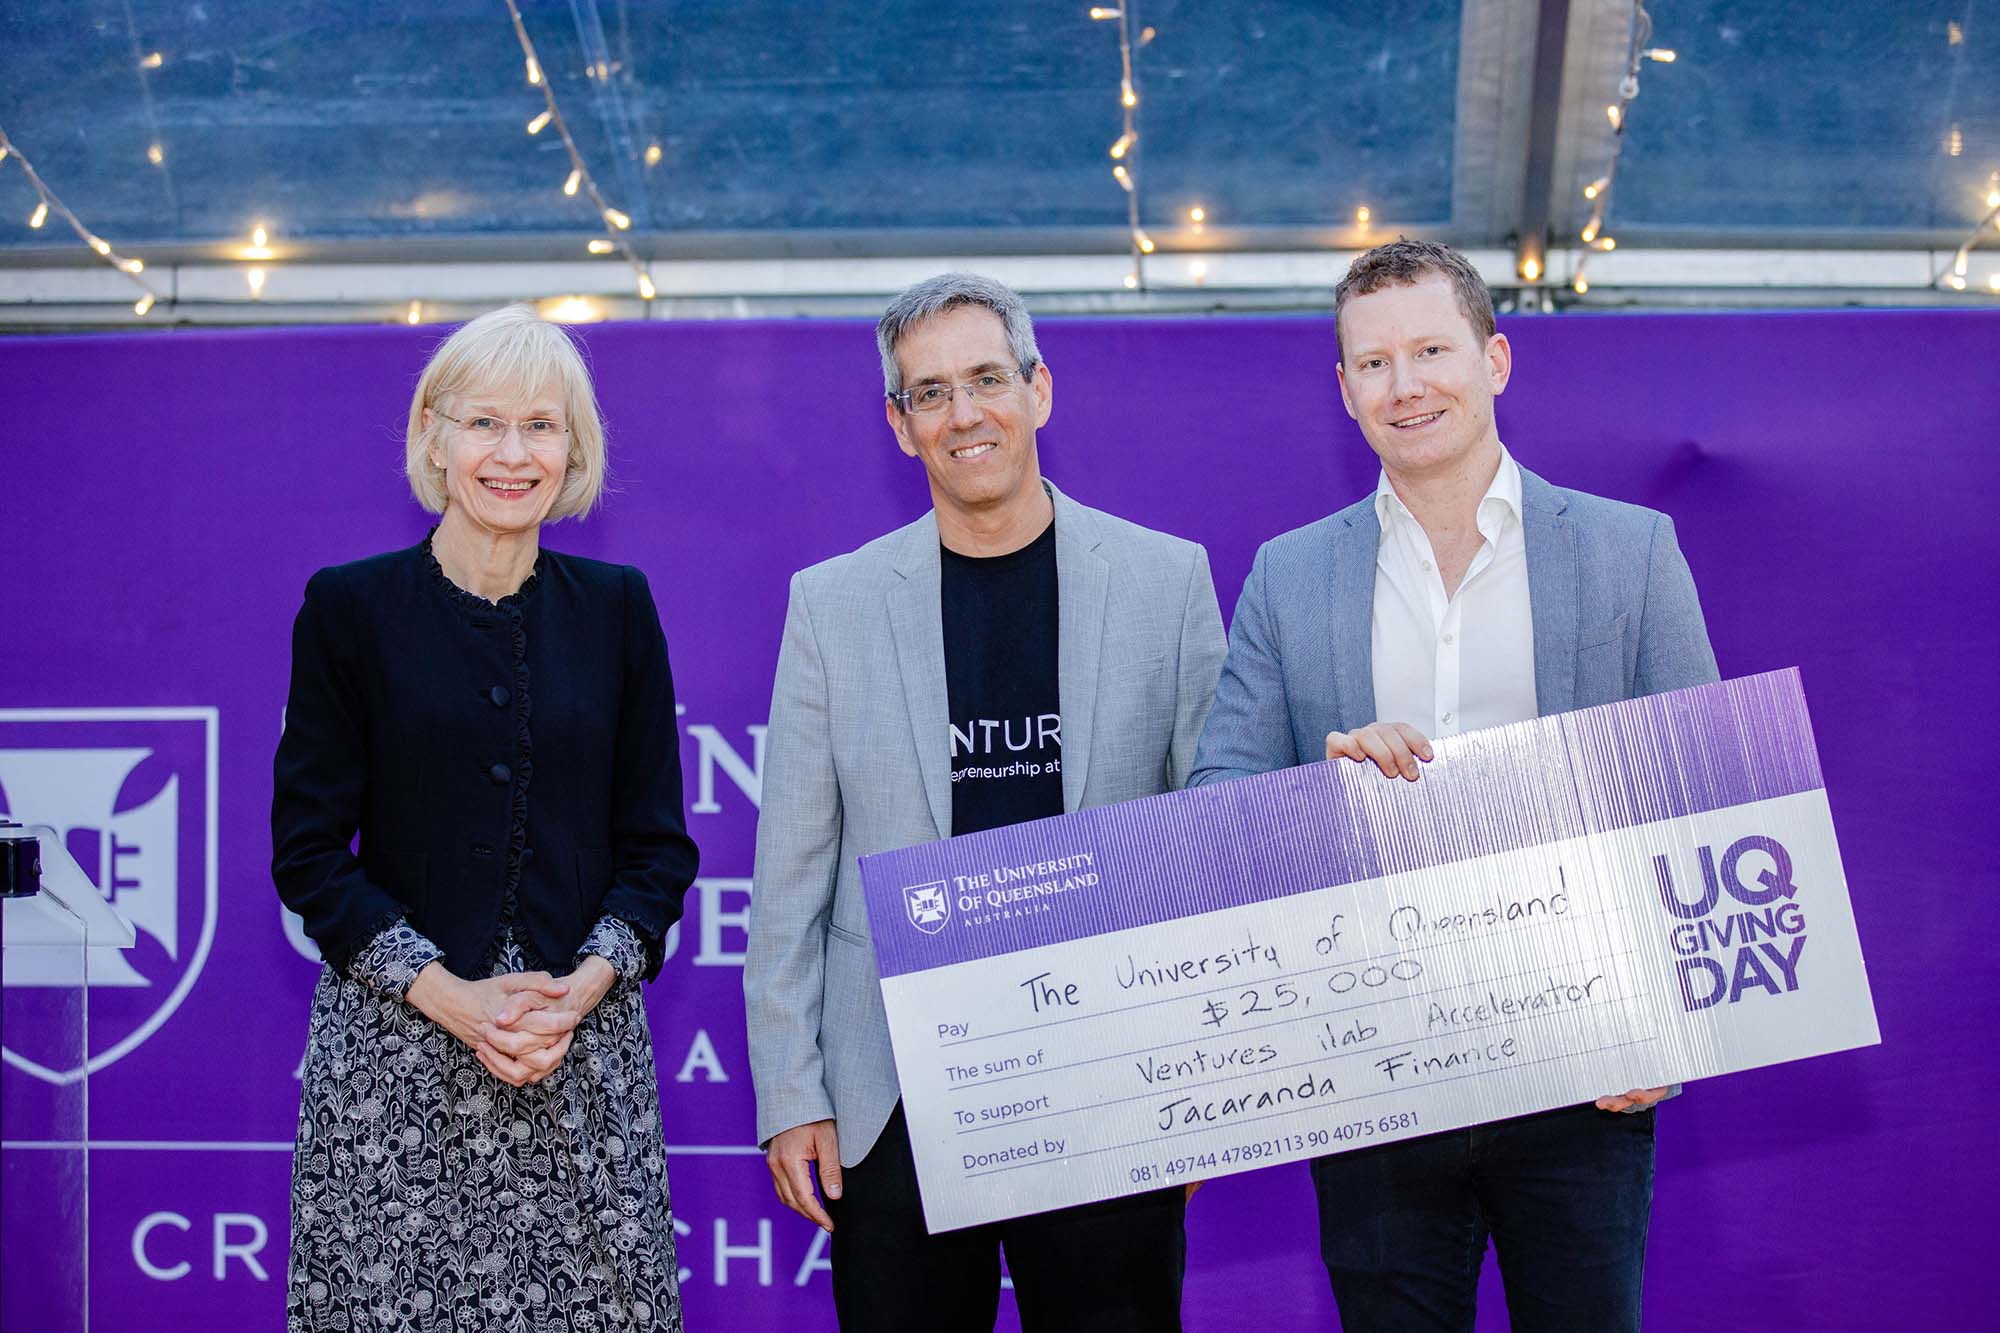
479	1141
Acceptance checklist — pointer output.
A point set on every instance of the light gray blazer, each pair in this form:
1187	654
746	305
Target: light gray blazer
857	761
1614	607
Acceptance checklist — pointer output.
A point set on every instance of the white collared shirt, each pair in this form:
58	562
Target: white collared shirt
1451	664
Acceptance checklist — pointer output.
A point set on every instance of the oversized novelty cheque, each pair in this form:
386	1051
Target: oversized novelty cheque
1319	959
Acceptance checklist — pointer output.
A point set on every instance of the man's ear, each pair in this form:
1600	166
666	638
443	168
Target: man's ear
899	422
1499	363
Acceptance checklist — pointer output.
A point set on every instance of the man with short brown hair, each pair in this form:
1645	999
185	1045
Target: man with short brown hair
1465	592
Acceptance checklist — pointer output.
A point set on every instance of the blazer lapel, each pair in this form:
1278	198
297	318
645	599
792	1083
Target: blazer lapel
1082	580
916	619
1349	587
1553	592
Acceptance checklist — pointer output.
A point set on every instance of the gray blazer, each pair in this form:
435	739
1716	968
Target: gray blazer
857	761
1613	603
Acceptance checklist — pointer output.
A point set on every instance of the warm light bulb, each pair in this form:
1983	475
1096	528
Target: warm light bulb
4	150
40	215
534	72
258	236
1142	240
1993	192
599	246
617	219
155	154
255	277
1664	54
571	181
143	304
1131	281
133	266
1993	281
152	60
1582	284
653	155
1363	216
570	310
1197	215
1126	96
1959	260
646	289
541	122
1101	12
415	314
1531	268
1607	243
1597	187
1589	232
1614	115
1198	270
1123	176
99	244
1957	283
1122	144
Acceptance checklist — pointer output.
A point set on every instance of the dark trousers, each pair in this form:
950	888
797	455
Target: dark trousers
1103	1267
1565	1197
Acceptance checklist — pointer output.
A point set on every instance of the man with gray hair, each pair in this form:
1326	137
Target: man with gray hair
1010	655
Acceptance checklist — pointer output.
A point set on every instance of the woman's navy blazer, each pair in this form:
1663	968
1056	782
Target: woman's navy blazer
516	761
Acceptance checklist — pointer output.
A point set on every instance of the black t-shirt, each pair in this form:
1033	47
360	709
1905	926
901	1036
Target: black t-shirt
1000	665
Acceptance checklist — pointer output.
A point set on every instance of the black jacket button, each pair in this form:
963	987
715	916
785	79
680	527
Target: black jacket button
498	694
500	774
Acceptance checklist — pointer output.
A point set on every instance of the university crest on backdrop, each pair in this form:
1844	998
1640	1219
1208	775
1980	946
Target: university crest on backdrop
131	792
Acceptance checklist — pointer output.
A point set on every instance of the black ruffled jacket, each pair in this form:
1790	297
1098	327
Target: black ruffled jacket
409	722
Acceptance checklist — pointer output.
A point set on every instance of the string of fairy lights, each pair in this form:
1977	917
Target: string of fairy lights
1594	237
1952	275
616	222
1596	240
1124	149
48	205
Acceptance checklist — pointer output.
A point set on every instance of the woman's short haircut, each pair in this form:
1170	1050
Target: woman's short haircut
948	291
1402	263
509	354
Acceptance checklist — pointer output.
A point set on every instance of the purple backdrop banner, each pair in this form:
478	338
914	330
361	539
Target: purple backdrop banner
168	495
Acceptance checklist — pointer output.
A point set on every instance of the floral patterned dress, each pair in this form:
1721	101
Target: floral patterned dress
429	1195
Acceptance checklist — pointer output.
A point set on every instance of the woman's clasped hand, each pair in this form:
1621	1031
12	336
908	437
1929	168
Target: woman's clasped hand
519	1024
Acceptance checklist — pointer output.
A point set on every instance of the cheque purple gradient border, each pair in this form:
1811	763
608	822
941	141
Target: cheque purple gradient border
1320	825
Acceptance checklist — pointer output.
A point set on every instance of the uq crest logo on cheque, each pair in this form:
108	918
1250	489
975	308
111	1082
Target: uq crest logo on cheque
928	906
131	792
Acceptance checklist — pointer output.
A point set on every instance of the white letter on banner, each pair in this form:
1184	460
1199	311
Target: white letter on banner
224	1251
815	1259
712	750
144	1229
761	1252
713	919
701	1055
